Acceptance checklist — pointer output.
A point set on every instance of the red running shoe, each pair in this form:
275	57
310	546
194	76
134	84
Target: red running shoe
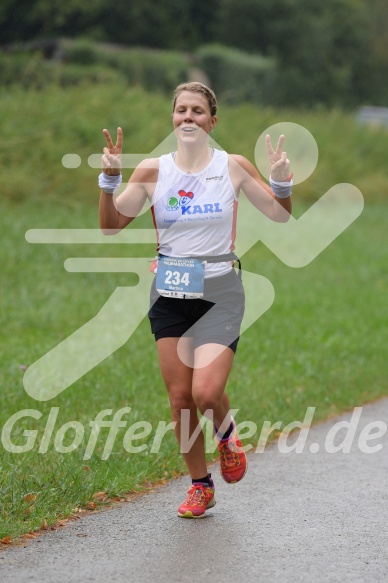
200	498
233	461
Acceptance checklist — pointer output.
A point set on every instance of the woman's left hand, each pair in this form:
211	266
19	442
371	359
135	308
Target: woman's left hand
279	163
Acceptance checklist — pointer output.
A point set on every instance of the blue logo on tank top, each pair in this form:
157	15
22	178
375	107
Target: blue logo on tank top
184	200
201	209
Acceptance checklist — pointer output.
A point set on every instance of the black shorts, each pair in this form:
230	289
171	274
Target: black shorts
215	318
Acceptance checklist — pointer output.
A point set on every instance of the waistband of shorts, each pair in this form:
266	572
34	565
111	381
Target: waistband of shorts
216	259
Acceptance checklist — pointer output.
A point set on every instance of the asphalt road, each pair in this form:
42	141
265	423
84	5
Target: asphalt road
295	517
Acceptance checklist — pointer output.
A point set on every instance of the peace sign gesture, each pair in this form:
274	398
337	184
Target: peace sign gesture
111	160
280	164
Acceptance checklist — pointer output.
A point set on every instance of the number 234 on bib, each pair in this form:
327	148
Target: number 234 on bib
180	277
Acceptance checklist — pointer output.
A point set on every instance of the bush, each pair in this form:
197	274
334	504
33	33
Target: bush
33	72
21	69
69	75
81	52
152	69
236	76
85	61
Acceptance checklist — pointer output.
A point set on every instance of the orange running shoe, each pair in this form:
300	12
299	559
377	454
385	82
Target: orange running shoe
233	461
200	498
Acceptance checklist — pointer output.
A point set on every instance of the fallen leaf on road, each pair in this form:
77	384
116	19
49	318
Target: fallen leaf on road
91	505
99	496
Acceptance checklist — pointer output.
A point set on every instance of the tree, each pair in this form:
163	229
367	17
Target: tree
32	19
319	46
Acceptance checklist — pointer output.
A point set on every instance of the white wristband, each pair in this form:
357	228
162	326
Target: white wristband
109	184
281	189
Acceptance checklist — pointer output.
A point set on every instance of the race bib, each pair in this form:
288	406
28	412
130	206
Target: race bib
180	277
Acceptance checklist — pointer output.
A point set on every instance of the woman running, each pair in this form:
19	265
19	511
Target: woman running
197	298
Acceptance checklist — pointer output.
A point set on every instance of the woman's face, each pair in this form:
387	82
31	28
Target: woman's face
191	115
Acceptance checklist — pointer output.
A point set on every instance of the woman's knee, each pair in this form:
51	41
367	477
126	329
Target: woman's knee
207	397
180	400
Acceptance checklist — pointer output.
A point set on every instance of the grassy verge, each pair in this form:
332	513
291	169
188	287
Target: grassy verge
320	344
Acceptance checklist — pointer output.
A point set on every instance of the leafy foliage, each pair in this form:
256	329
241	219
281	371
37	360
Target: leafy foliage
237	76
332	52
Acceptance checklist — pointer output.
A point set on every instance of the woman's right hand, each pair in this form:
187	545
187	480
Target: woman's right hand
279	163
111	160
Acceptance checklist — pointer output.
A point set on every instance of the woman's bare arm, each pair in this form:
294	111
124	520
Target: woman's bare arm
116	214
245	177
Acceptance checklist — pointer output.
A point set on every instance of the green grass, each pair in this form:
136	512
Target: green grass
39	128
321	344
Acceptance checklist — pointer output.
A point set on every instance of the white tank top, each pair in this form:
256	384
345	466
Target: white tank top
195	214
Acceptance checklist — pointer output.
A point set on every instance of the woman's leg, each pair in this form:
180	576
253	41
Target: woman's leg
178	378
209	382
